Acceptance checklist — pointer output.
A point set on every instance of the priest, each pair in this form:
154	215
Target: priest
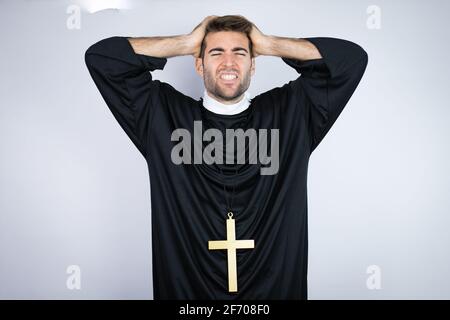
221	229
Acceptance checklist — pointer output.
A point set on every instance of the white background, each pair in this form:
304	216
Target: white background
75	191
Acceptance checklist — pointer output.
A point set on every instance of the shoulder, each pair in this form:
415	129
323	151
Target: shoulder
281	95
172	95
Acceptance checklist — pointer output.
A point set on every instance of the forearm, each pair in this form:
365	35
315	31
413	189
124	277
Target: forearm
163	47
293	48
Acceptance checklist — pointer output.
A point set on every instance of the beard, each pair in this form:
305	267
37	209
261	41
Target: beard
213	87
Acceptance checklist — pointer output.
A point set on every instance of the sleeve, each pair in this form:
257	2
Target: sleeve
326	85
126	85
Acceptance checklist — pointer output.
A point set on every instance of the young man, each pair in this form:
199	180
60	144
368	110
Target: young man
228	172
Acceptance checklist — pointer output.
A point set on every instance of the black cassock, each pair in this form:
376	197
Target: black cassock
189	201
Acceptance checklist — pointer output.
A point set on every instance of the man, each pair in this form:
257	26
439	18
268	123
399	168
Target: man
224	228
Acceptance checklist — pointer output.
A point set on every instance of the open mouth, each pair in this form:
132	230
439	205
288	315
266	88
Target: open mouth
228	77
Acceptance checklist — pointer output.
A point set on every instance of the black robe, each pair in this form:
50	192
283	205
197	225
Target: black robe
188	201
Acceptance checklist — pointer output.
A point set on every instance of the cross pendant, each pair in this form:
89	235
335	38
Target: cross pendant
231	244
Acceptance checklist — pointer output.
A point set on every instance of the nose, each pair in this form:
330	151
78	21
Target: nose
228	59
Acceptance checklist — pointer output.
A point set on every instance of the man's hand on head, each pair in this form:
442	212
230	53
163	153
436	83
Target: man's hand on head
197	35
294	48
259	40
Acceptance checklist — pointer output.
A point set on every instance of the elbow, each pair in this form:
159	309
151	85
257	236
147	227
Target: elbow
88	58
93	49
364	58
360	54
359	57
89	55
356	53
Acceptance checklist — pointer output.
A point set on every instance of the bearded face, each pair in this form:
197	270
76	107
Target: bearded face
227	66
227	84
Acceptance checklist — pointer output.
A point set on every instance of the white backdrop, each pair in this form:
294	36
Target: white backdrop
74	191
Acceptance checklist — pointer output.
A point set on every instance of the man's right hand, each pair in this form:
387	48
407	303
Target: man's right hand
172	46
197	35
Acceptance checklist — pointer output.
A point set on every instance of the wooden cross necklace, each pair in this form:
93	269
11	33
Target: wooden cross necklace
231	244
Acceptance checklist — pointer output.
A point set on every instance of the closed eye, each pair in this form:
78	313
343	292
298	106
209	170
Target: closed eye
241	54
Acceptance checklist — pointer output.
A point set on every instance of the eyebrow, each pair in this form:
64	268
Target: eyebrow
233	50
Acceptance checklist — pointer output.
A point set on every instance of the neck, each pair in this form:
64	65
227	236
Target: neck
228	102
235	106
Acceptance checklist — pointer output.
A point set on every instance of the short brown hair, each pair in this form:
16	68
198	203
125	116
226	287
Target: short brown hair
228	23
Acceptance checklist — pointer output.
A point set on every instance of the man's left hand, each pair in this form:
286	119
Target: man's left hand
259	41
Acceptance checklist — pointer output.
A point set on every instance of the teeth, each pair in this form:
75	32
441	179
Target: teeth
228	76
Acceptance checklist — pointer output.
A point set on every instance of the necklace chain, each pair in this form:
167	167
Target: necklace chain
229	204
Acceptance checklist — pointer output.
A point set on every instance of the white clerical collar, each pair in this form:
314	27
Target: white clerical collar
226	109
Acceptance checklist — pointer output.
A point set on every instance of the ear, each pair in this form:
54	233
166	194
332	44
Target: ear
199	66
252	69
